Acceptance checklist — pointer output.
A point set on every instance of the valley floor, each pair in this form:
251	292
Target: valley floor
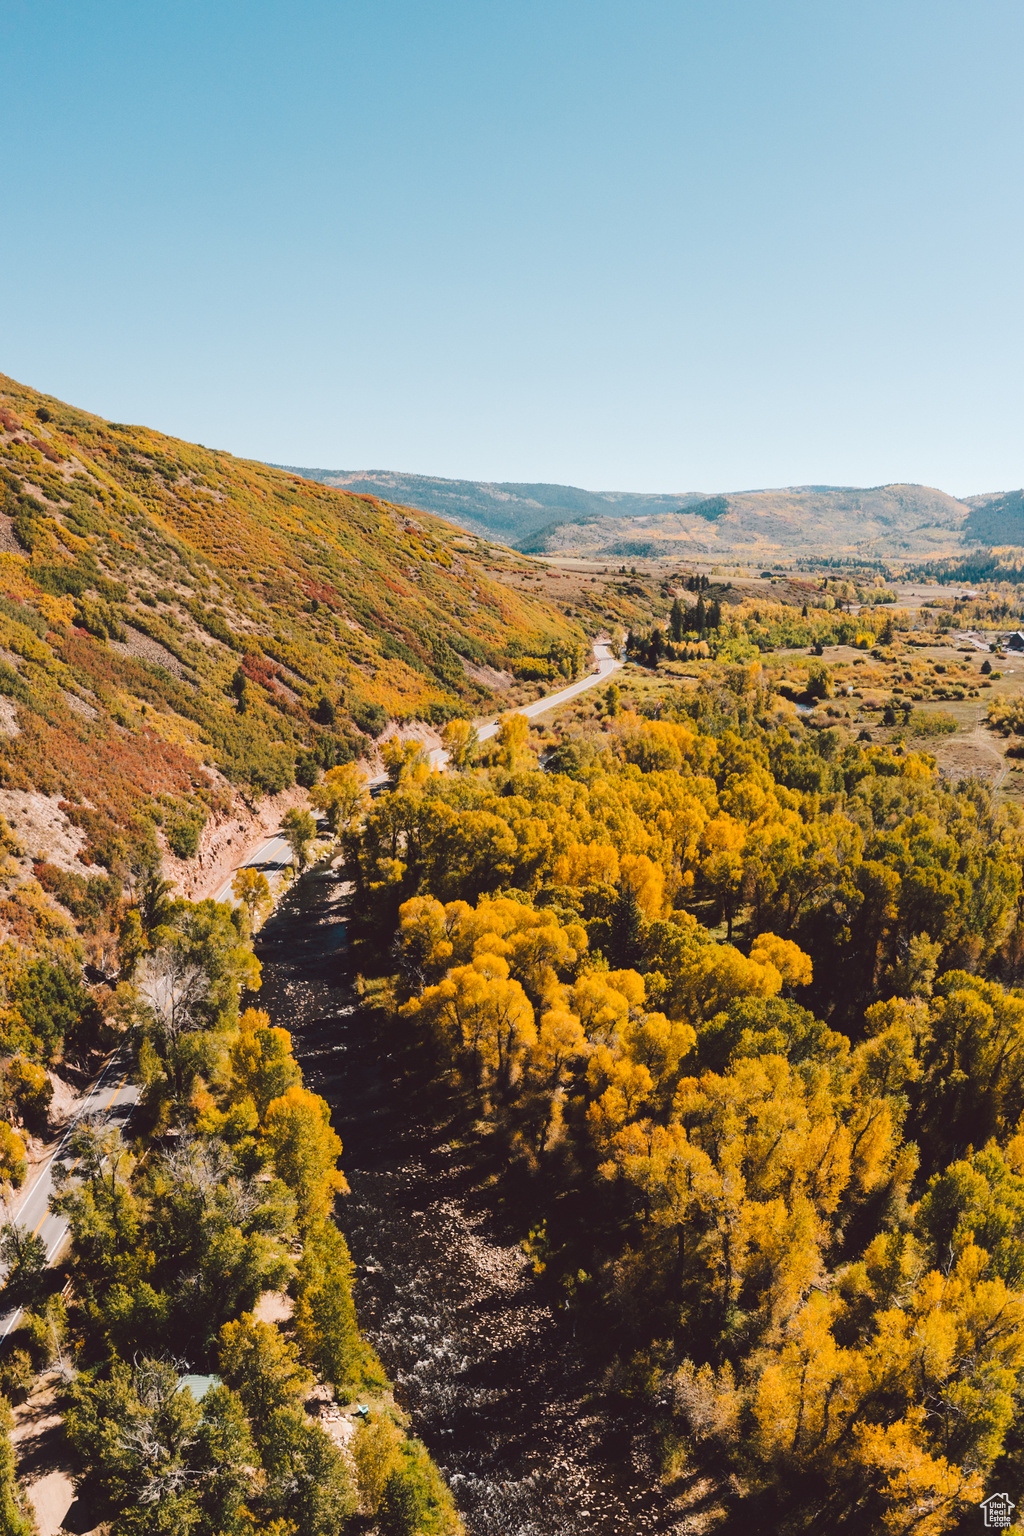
488	1370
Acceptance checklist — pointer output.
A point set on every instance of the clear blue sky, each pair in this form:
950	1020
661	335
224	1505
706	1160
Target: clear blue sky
653	245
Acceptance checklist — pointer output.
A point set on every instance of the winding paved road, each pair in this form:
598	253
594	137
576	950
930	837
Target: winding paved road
110	1101
606	665
274	855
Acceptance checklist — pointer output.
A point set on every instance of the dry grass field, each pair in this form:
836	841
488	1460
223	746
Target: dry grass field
924	688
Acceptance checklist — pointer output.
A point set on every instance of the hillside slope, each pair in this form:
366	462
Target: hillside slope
996	520
177	626
883	522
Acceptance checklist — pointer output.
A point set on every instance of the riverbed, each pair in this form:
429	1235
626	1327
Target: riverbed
484	1364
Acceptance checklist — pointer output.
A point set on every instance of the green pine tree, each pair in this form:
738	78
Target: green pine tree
626	930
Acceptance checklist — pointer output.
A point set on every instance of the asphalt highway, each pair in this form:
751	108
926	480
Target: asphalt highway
271	856
275	854
109	1101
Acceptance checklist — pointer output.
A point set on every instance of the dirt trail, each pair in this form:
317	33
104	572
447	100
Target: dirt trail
984	743
43	1458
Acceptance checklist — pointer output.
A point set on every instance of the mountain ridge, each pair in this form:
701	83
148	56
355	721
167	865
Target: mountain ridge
534	500
895	520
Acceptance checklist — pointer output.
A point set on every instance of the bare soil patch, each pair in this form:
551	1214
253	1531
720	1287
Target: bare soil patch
79	706
487	677
274	1307
44	1455
966	757
227	840
44	831
8	543
145	648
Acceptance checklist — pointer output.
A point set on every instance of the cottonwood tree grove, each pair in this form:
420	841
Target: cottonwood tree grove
740	1002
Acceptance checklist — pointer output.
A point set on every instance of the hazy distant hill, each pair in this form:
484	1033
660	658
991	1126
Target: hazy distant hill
883	522
887	521
997	518
507	511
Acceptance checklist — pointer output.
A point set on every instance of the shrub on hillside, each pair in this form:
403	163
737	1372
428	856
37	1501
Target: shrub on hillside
370	718
184	827
49	1010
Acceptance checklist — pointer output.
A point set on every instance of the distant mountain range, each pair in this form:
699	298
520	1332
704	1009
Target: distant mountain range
884	522
509	511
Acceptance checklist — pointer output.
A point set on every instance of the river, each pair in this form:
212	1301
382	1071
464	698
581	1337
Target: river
486	1367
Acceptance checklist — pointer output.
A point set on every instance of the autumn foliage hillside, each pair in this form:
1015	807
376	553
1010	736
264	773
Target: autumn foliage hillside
180	632
172	617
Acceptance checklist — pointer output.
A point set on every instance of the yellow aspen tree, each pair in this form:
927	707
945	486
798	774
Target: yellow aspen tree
305	1150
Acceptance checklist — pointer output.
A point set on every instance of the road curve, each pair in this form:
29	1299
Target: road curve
274	855
606	665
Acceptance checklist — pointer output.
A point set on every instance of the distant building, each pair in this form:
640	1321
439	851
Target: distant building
199	1385
1014	642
